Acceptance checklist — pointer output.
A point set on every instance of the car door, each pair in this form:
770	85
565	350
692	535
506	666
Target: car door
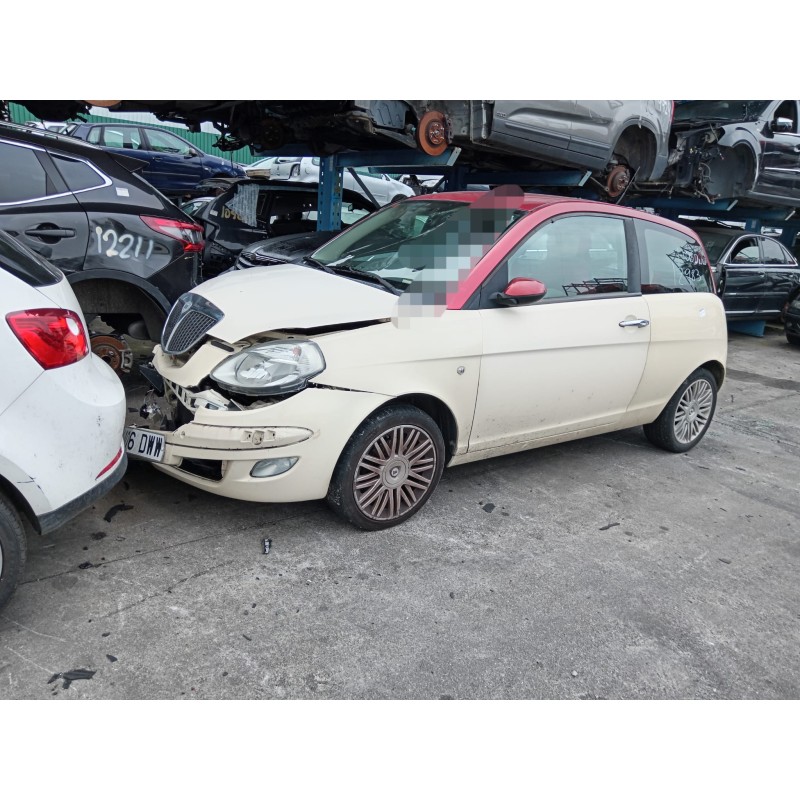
743	277
540	127
781	277
780	160
37	208
594	127
573	360
176	165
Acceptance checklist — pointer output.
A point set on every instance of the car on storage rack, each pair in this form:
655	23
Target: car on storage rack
748	150
441	330
250	211
61	408
756	275
307	170
173	165
128	251
617	140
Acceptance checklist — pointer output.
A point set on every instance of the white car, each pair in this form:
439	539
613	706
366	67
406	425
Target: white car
62	409
306	170
261	168
445	329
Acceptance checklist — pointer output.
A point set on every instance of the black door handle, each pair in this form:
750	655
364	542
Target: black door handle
51	233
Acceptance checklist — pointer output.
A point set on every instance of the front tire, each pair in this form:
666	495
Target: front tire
12	550
685	419
388	469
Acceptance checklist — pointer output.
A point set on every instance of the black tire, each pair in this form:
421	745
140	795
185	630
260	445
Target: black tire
401	485
13	550
793	339
685	419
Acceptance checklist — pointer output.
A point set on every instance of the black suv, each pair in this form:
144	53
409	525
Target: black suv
127	250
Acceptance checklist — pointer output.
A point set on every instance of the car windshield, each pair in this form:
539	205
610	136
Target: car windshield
715	242
722	110
406	243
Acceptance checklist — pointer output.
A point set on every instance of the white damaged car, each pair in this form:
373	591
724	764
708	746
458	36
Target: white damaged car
437	331
62	408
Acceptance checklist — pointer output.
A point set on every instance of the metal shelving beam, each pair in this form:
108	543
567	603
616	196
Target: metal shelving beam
329	215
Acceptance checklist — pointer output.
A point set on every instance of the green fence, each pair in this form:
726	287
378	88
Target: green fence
203	141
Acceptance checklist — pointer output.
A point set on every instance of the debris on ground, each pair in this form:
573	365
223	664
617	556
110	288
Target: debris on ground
85	565
267	545
99	535
72	675
114	510
610	525
112	659
488	508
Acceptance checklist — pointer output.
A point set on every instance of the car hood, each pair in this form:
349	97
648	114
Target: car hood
287	296
291	247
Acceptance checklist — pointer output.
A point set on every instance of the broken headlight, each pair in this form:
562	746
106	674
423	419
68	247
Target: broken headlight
272	368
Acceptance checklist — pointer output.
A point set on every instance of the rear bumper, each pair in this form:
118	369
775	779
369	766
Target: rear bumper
55	519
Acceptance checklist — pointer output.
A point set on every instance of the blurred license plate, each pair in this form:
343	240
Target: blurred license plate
141	443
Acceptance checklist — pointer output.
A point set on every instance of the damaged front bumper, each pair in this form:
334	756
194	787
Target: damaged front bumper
235	451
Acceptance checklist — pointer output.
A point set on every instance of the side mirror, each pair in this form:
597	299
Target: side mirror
781	125
192	154
520	292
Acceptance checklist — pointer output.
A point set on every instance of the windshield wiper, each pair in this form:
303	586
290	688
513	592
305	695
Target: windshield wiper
312	262
363	275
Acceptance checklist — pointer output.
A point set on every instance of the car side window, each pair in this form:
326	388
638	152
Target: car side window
774	253
745	252
163	142
78	175
575	255
22	177
671	261
120	136
94	135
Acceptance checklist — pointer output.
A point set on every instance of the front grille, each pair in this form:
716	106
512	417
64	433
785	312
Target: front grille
188	322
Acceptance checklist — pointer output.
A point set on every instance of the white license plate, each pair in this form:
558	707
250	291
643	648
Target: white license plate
142	443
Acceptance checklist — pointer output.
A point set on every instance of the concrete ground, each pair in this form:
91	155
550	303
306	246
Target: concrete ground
602	568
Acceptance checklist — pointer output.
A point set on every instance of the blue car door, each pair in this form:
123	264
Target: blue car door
176	163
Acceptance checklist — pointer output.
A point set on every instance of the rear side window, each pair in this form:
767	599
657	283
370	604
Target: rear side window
774	253
126	138
94	135
25	264
671	261
78	175
22	177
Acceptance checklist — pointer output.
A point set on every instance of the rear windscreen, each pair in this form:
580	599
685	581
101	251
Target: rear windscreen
25	264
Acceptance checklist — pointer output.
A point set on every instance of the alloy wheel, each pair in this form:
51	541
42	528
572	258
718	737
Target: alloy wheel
693	411
395	472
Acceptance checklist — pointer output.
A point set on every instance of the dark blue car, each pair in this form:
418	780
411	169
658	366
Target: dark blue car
173	165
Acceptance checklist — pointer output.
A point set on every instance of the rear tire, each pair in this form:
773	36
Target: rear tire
793	339
389	468
686	417
13	550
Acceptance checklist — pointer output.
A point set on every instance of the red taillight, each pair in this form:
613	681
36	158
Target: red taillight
189	234
53	336
110	464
